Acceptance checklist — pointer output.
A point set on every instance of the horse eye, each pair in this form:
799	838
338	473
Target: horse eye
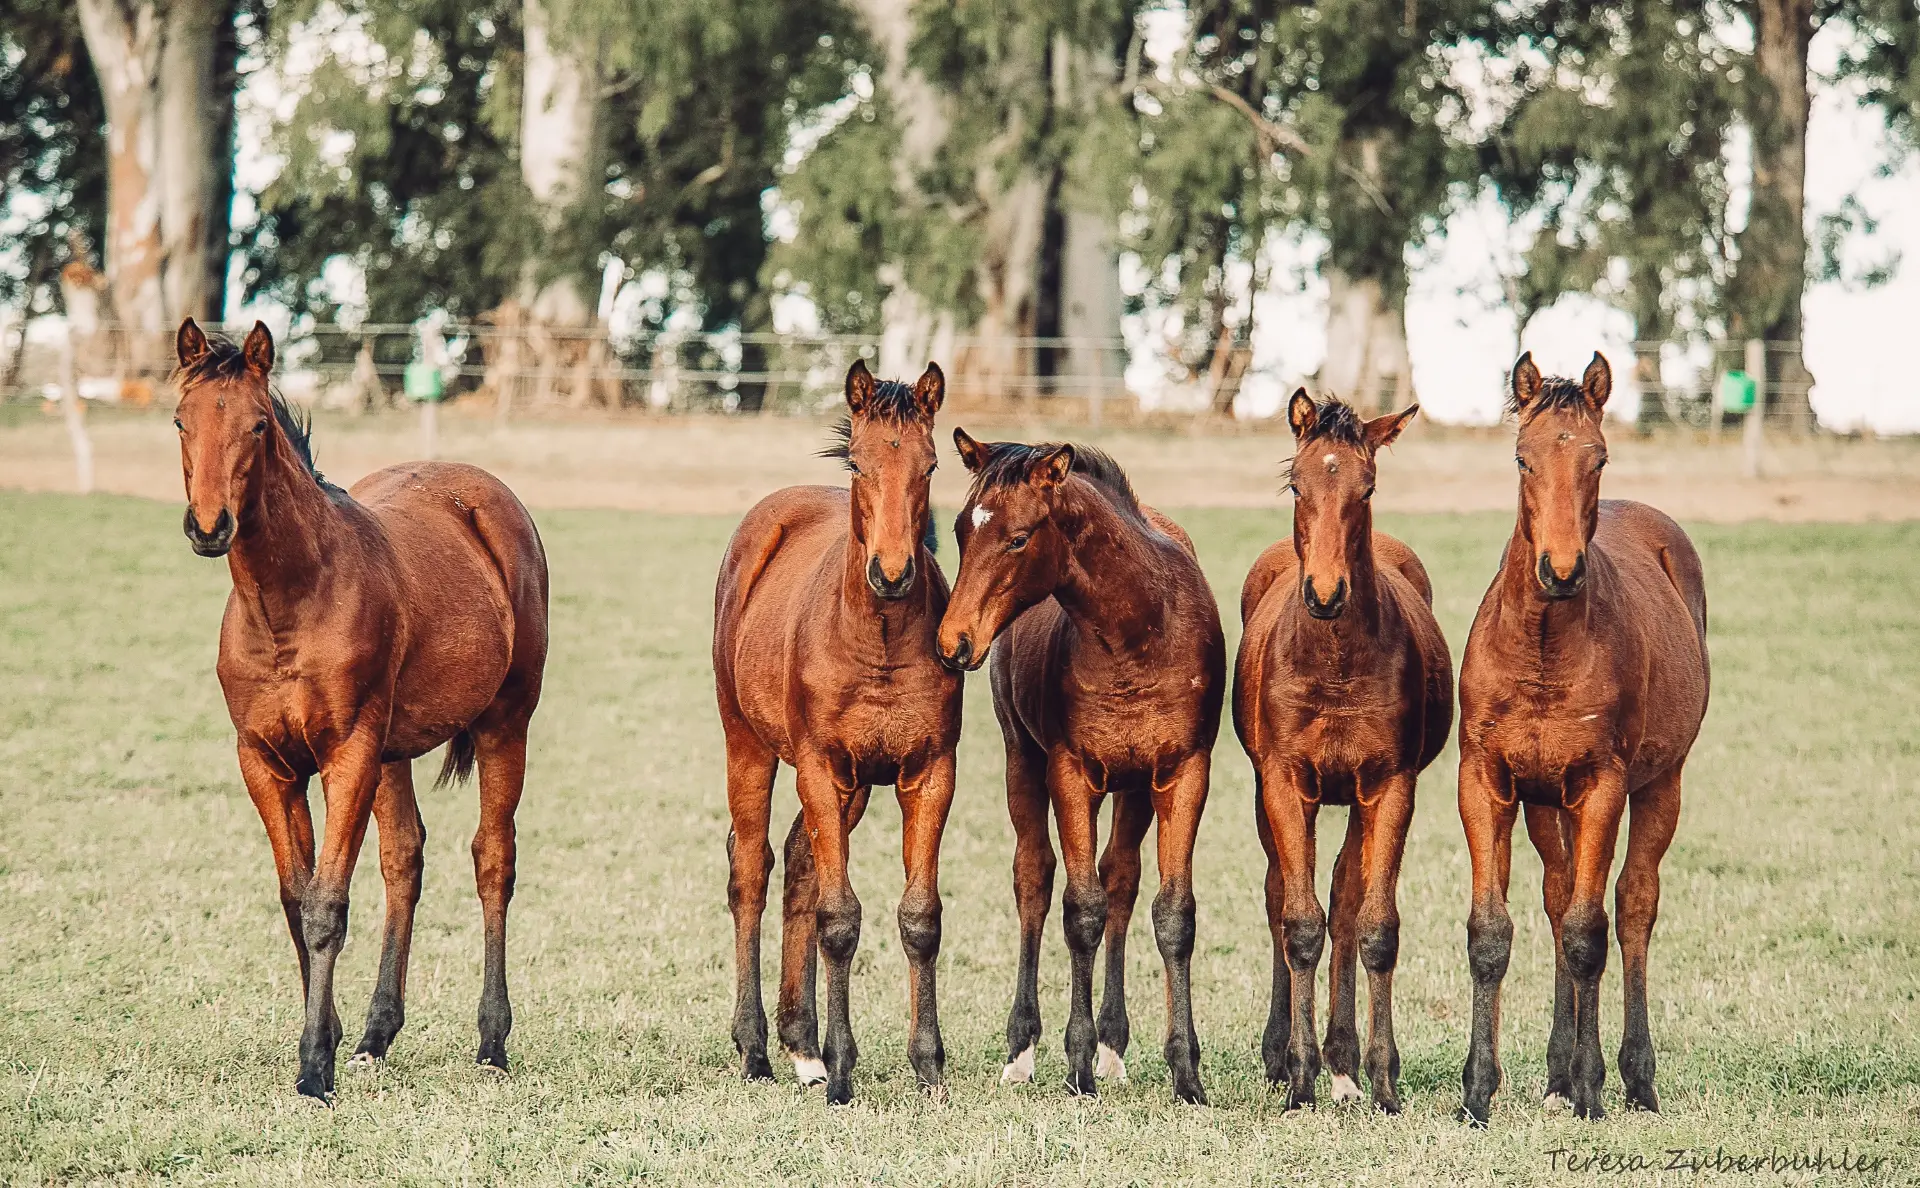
854	467
260	426
1367	494
1600	465
178	425
1522	464
1018	542
932	468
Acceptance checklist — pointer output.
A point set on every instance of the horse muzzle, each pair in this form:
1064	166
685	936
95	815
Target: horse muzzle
1329	609
891	589
962	658
1561	588
214	543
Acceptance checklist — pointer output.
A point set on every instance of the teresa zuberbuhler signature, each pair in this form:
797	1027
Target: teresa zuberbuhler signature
1719	1161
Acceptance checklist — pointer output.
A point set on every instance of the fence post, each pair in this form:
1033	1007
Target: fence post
1751	428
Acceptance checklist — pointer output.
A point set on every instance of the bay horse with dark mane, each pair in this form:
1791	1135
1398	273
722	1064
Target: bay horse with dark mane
1583	688
823	659
1343	694
1108	673
365	628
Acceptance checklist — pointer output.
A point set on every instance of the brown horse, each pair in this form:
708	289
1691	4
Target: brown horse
365	628
1343	694
1582	690
1109	668
823	659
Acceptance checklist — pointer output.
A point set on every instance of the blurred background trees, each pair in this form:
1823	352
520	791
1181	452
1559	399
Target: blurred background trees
990	184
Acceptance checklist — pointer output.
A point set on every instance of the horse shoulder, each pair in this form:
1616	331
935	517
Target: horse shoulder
1391	552
1429	642
1268	568
1168	528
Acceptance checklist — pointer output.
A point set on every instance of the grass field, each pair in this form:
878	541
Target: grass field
149	996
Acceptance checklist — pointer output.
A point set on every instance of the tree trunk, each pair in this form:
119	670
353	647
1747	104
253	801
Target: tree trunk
1772	274
1366	361
560	160
1090	307
996	361
156	66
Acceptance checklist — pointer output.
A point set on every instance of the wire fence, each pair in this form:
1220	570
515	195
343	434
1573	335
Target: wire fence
529	370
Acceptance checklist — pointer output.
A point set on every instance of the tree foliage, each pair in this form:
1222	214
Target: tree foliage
53	161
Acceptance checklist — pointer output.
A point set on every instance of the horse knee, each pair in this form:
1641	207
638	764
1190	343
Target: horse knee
493	864
920	928
1380	946
1084	912
1489	943
323	920
1583	936
1306	936
1173	913
839	928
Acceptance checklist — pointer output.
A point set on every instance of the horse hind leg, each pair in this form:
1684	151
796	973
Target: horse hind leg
1655	812
1034	864
502	753
403	838
1120	874
1342	1046
798	1011
1547	826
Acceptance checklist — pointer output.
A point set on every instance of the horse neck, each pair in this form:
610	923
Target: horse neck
1110	585
279	552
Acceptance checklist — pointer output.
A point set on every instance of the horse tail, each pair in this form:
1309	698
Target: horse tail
459	764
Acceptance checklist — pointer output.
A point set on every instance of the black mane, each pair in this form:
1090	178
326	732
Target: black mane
1555	393
1009	461
1336	421
226	362
892	401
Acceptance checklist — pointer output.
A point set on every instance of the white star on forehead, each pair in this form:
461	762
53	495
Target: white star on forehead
980	516
1333	464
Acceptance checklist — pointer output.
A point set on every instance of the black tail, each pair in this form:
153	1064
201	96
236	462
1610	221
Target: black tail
459	764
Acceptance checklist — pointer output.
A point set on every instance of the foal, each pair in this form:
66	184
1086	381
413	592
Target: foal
823	659
1109	667
1582	690
365	628
1343	694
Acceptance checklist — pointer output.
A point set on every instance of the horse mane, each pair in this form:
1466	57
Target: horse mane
226	362
1555	393
892	401
1008	462
1335	421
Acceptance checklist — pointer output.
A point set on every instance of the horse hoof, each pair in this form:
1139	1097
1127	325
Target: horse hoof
1345	1089
809	1070
365	1061
937	1094
1078	1086
1467	1117
311	1089
1557	1103
1109	1066
1390	1106
1019	1070
840	1095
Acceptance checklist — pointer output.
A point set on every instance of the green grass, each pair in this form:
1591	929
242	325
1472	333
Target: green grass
148	992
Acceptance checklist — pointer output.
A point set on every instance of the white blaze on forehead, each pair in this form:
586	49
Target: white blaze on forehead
980	516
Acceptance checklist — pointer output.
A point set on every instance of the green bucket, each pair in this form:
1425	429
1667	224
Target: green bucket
1737	391
423	383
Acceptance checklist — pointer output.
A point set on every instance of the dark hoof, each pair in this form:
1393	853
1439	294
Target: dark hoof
1083	1084
756	1068
1466	1115
839	1090
1298	1098
492	1056
1187	1089
1643	1099
1592	1111
1389	1106
314	1088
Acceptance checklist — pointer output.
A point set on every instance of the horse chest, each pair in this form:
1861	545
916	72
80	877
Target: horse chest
1544	734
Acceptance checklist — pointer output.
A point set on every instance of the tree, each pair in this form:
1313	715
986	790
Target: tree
53	185
168	98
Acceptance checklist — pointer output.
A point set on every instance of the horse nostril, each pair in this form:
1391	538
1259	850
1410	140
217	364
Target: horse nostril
885	586
962	657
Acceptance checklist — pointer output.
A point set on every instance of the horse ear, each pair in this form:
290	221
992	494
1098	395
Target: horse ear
1301	414
973	455
930	390
259	348
1526	382
1597	384
1053	467
1382	430
190	345
859	387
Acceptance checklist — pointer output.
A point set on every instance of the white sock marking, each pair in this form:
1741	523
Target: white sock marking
1345	1088
1108	1066
809	1071
1020	1070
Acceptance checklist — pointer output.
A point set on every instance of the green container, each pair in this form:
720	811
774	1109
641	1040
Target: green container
1737	391
423	383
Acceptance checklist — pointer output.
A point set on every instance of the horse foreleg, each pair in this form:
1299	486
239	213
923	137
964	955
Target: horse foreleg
1487	810
1120	875
1596	809
1083	908
797	1013
1547	826
837	917
281	802
403	839
1342	1045
925	797
502	753
750	771
1655	813
1385	815
349	780
1033	868
1275	1040
1291	817
1178	808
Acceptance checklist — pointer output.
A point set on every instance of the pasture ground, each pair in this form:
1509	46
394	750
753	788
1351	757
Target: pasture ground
149	997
